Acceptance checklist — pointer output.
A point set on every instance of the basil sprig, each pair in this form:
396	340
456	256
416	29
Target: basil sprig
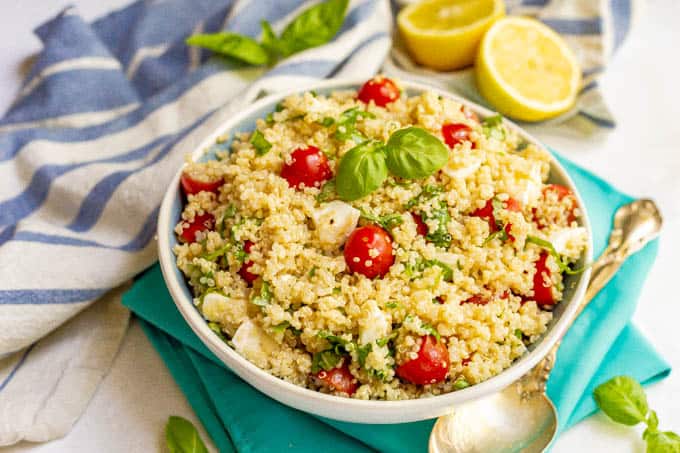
181	436
411	153
313	27
361	171
414	153
624	401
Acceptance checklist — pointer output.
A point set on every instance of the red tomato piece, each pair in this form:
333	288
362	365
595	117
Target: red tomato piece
543	294
469	114
380	90
201	222
192	186
486	212
362	244
308	166
421	227
339	379
455	133
477	299
466	361
431	365
244	271
563	192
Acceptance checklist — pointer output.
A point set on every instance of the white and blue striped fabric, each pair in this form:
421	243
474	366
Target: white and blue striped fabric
102	122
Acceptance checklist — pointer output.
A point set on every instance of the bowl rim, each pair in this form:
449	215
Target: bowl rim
337	407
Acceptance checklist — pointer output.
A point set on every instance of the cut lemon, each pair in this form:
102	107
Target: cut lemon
445	34
526	70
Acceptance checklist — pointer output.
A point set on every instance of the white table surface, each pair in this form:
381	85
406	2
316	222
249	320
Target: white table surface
642	157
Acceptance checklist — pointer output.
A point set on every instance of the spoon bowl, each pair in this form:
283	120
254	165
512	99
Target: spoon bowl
522	417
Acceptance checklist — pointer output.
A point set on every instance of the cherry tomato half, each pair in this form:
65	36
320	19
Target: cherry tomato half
368	251
308	166
201	222
431	365
339	379
455	133
380	90
244	271
543	294
192	186
421	227
487	213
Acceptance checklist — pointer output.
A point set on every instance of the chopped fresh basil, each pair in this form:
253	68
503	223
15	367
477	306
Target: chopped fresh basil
431	330
387	222
414	153
261	145
281	327
519	334
327	192
181	436
326	360
265	296
391	305
327	121
564	267
384	341
492	127
313	270
346	129
461	383
269	119
217	329
429	191
439	236
521	146
362	353
212	256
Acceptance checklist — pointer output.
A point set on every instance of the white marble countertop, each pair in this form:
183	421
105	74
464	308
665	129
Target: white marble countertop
641	156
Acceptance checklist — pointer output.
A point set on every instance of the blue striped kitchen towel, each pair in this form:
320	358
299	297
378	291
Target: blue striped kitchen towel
97	130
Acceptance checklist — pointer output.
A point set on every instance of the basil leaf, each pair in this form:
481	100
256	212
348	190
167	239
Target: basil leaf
262	146
447	272
623	400
361	170
414	153
269	40
663	442
232	45
564	267
181	436
315	26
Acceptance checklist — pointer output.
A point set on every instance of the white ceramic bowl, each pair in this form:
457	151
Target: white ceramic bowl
335	407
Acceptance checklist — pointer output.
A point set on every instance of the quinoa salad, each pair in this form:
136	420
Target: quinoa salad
374	245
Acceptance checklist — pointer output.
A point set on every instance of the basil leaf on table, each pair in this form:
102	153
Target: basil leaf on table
232	45
315	26
623	400
662	442
414	153
181	436
361	171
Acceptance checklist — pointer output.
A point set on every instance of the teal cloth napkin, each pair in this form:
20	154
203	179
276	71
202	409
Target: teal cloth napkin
601	344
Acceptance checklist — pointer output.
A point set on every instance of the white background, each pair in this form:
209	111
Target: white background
641	156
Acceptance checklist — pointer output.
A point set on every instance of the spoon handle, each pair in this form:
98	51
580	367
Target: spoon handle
603	269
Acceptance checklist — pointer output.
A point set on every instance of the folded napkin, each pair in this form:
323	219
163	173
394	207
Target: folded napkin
600	344
102	122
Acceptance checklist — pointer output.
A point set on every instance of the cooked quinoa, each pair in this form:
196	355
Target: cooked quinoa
466	284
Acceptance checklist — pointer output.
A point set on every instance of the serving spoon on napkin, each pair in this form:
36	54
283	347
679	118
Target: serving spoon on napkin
490	424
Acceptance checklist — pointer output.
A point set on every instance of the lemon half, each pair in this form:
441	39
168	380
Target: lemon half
445	34
526	70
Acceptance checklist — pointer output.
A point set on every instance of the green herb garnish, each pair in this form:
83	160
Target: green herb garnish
327	121
313	27
564	266
181	436
429	191
361	170
327	192
280	327
439	236
624	401
387	222
346	129
326	360
414	153
461	383
261	145
431	330
362	353
492	127
265	296
217	329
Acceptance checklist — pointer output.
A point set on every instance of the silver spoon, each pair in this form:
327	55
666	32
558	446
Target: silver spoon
490	424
